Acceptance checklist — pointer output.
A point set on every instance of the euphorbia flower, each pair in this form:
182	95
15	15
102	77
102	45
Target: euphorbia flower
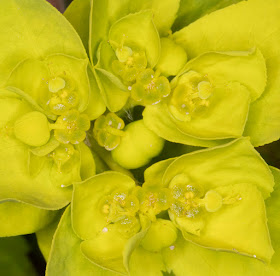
47	103
196	87
105	217
235	50
213	95
209	205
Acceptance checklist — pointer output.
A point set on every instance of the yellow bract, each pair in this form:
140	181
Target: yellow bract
190	96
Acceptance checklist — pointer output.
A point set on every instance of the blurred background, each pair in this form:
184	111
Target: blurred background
20	256
61	5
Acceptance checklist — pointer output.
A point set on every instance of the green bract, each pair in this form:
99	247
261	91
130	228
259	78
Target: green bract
212	97
47	100
120	224
77	113
111	208
250	32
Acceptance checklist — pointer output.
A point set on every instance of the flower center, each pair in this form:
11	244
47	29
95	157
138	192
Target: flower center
150	88
71	127
185	200
189	199
191	96
153	201
62	96
108	130
120	209
62	154
129	63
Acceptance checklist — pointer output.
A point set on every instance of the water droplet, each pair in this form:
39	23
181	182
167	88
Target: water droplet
105	229
129	88
254	256
62	186
172	247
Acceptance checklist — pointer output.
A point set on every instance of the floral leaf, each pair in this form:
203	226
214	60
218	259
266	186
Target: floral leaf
237	198
103	215
191	10
45	235
107	87
138	30
87	217
96	106
18	218
228	229
45	149
216	122
201	36
158	119
222	112
165	13
245	67
87	162
75	11
37	24
105	250
73	71
16	181
215	167
66	257
134	242
272	205
65	174
223	263
105	13
153	175
113	91
151	263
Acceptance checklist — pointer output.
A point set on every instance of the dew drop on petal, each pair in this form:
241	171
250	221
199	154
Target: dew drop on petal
105	230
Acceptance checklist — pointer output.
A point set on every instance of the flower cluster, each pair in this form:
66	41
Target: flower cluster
109	116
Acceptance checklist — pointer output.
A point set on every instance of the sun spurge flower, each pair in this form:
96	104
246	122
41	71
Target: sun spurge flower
210	211
215	92
197	197
237	73
47	102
